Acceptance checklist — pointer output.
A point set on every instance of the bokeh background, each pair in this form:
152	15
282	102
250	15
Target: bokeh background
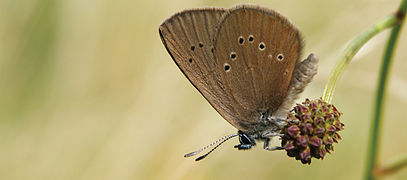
88	91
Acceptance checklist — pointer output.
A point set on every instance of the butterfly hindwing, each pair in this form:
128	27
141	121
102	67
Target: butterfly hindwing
256	51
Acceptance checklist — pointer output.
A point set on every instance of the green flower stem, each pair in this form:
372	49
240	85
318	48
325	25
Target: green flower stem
374	141
350	52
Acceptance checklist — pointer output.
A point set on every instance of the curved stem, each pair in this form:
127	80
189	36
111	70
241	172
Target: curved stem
374	141
350	52
391	167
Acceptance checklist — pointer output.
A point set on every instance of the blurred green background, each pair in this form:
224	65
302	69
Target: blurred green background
88	91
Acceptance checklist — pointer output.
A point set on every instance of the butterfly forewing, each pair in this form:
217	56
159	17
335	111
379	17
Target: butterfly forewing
266	48
188	37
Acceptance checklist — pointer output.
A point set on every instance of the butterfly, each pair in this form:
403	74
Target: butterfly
245	61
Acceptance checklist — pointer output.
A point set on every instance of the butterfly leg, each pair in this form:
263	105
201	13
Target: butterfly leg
245	141
243	146
266	146
272	134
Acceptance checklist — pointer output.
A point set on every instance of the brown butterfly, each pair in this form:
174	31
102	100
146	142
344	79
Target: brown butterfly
245	61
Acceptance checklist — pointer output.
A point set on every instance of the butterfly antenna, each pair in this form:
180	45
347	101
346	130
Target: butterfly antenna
219	142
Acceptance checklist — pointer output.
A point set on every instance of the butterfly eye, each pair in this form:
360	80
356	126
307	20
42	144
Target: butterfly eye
190	60
192	48
280	57
233	55
200	45
262	46
241	40
227	67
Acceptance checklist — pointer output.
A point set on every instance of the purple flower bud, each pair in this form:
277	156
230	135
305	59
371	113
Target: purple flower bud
293	131
299	109
313	107
296	109
306	118
319	120
337	136
336	114
315	141
321	152
302	141
319	130
327	140
329	117
305	154
303	109
337	125
307	128
289	145
331	129
325	109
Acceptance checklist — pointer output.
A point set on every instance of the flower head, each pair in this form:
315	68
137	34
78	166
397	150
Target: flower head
312	128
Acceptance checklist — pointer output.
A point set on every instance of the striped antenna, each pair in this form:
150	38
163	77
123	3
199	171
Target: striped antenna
220	141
